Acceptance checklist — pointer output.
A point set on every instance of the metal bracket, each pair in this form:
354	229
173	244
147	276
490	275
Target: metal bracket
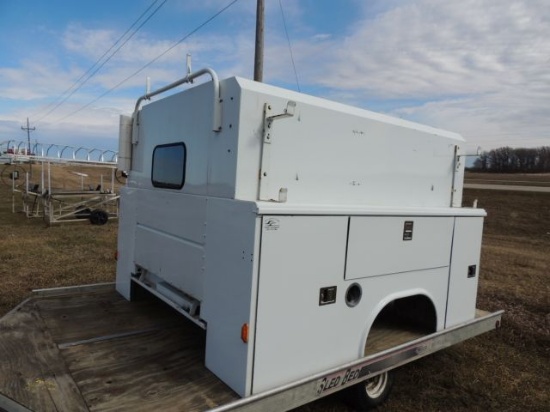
267	137
456	169
268	120
288	112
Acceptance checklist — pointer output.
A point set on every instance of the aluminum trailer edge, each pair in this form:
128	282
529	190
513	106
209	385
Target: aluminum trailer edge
320	385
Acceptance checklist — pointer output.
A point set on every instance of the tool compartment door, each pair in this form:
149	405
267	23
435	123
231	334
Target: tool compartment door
464	272
383	245
295	336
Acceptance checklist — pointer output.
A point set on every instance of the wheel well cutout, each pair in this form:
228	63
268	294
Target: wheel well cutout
400	321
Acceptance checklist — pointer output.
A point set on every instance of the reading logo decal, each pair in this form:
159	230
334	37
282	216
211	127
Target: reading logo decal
271	224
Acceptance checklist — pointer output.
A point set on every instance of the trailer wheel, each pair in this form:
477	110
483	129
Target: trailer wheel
370	393
99	217
120	176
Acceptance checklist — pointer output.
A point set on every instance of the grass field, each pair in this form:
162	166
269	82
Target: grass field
34	256
524	179
505	370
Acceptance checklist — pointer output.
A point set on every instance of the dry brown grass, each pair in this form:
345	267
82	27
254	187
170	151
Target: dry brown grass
504	370
63	176
34	256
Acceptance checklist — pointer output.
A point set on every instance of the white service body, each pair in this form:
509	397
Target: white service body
290	195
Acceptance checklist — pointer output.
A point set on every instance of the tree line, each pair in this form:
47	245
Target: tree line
514	160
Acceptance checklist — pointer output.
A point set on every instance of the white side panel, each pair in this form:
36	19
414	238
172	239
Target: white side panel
295	336
376	245
459	176
464	278
331	153
175	260
183	117
177	214
232	252
126	240
223	148
169	237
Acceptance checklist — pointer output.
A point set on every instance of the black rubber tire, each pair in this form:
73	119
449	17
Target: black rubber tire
121	176
99	217
371	393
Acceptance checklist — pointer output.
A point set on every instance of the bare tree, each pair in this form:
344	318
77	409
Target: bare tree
518	160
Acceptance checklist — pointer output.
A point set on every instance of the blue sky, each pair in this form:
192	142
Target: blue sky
477	67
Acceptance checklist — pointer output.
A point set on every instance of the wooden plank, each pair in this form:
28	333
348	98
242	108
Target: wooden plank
481	313
161	370
387	335
390	332
115	355
32	371
86	316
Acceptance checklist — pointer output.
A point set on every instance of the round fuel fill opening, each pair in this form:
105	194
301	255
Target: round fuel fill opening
353	295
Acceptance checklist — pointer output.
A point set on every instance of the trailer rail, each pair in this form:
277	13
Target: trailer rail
322	384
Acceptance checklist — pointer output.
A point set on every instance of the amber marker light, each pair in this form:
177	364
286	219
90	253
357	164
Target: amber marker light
244	332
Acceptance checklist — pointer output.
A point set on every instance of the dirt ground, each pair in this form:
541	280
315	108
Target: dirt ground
504	370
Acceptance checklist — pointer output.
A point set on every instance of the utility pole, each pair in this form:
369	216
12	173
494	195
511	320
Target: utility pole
259	51
29	130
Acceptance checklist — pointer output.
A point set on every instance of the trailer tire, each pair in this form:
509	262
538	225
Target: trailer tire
99	217
370	393
121	176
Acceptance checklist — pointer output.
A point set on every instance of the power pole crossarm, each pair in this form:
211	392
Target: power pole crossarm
29	130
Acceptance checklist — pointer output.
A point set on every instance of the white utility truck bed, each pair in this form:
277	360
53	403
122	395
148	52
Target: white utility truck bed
313	246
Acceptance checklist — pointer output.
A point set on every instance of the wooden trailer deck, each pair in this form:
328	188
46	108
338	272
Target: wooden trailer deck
88	349
94	351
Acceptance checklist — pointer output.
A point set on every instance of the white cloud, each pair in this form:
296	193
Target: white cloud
35	79
141	50
433	48
514	118
321	36
476	66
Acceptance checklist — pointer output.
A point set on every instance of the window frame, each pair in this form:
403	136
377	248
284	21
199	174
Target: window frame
165	185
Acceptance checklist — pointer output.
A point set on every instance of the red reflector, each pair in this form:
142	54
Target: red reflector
244	333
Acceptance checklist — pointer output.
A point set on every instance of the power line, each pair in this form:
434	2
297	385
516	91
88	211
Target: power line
79	83
109	58
151	62
289	46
